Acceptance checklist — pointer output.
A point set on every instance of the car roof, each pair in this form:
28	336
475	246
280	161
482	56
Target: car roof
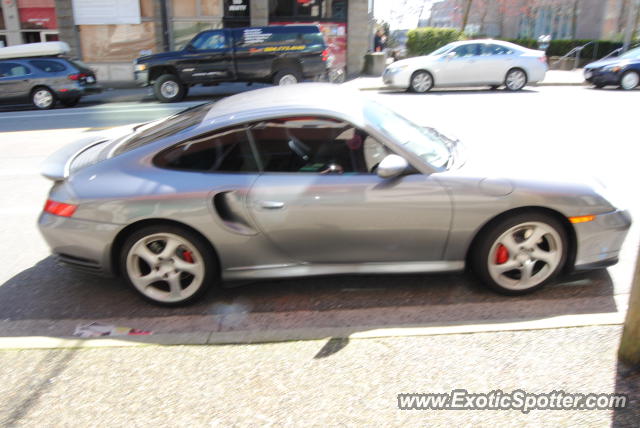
284	100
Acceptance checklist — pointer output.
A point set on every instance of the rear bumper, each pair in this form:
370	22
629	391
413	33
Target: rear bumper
599	241
77	91
81	244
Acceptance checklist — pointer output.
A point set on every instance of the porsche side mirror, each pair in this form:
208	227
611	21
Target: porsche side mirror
392	166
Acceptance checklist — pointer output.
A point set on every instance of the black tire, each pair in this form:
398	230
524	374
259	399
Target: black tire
635	80
424	76
168	89
43	98
511	73
286	76
486	247
70	102
159	291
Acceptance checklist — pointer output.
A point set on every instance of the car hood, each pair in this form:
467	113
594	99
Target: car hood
157	57
606	62
417	60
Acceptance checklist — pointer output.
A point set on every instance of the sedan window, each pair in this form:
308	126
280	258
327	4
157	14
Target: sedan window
226	151
491	49
12	69
48	66
467	50
314	145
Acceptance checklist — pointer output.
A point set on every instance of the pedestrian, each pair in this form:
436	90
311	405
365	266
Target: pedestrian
379	41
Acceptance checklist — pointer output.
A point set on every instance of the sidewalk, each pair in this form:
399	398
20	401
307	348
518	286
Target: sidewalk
552	78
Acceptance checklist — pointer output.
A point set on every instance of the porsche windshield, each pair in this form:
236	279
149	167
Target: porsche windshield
426	144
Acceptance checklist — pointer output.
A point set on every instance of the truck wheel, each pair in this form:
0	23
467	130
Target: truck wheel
286	77
168	89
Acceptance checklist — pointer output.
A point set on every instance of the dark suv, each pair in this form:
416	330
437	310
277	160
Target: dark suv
45	80
278	54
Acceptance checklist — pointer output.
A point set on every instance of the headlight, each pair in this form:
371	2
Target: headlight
396	69
141	67
614	68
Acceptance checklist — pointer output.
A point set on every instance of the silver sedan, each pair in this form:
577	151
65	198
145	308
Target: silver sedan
470	63
310	180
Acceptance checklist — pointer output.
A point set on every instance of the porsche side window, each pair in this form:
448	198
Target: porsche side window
310	145
226	151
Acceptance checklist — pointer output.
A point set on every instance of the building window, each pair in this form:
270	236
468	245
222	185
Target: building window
37	14
308	10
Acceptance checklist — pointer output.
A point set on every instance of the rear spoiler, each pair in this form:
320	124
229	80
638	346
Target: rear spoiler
56	166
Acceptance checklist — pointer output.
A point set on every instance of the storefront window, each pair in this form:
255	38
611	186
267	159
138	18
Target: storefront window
184	8
184	31
310	10
122	42
37	14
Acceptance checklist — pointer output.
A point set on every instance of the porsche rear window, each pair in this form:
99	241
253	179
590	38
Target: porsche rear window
172	125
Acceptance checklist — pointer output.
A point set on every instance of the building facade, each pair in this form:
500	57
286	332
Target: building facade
109	34
562	19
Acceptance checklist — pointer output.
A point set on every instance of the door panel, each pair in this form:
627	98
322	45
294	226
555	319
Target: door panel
356	218
463	68
208	58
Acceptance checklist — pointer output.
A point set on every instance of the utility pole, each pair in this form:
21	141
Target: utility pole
629	27
466	15
629	352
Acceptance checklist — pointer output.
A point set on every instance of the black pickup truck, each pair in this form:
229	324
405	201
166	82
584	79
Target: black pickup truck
277	54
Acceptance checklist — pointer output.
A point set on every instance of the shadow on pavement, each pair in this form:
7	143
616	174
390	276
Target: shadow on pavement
47	293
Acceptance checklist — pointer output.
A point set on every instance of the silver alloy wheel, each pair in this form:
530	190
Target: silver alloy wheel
533	253
630	80
516	79
43	98
421	82
165	267
169	89
288	79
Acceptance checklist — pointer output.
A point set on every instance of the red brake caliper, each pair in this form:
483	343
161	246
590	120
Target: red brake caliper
502	254
187	256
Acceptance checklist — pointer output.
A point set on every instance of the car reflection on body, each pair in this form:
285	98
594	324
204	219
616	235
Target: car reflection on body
623	71
267	185
469	63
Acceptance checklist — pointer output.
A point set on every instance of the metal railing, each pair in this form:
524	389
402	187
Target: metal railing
575	51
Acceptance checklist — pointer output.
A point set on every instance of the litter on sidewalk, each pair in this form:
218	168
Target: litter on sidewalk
97	329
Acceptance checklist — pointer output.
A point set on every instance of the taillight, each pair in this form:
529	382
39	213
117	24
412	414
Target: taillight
325	54
543	59
59	208
77	76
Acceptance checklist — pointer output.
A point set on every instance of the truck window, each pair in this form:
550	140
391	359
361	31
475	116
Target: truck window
209	40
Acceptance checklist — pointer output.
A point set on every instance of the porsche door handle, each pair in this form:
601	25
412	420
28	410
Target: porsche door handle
271	205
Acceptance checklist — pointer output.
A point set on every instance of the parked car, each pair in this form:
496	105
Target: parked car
36	73
279	54
623	71
287	182
469	63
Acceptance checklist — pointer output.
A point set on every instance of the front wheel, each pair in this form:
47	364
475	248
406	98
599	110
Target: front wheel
630	80
516	79
421	82
168	265
520	254
168	89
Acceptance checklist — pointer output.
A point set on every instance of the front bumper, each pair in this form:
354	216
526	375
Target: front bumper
398	80
81	244
141	77
599	241
602	77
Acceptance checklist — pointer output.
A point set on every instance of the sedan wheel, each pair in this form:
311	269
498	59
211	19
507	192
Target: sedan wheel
168	265
421	82
43	98
516	79
521	254
630	80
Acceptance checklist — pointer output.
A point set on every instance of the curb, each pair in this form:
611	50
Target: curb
319	333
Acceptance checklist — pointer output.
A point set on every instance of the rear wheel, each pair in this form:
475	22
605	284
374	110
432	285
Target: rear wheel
520	254
516	79
43	98
168	265
630	80
168	89
287	76
421	82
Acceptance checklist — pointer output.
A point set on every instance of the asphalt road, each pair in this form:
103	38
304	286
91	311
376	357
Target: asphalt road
576	129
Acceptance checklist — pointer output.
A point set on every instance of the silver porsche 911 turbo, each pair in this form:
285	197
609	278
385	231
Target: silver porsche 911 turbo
306	180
